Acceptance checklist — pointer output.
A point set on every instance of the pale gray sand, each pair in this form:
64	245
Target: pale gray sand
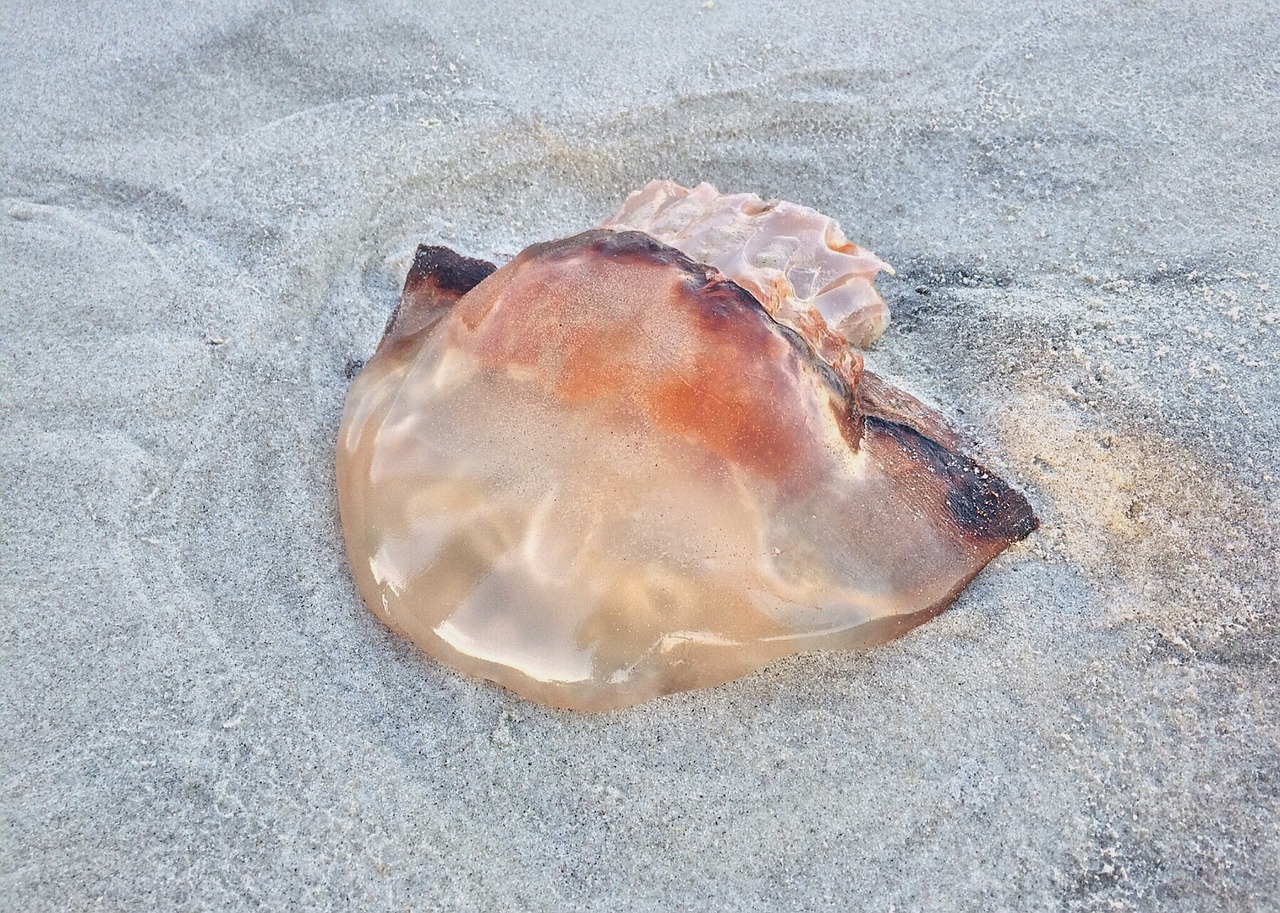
206	217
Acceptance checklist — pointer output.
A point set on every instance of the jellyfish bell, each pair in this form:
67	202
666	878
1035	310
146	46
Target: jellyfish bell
606	472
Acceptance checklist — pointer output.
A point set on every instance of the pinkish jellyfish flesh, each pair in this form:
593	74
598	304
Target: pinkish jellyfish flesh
608	471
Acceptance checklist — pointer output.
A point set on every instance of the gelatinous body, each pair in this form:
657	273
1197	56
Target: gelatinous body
606	473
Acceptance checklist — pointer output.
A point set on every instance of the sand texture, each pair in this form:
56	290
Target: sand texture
207	213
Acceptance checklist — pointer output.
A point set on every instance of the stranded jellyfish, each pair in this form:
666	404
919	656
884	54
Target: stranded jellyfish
647	458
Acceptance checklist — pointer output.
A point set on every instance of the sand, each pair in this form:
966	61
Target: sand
206	216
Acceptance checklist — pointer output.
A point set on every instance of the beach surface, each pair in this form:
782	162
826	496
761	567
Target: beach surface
208	210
